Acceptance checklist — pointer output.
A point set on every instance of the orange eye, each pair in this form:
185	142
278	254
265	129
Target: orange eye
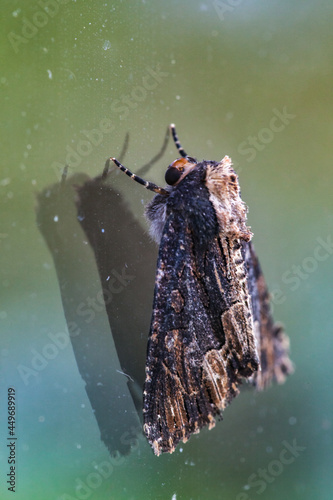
174	171
178	169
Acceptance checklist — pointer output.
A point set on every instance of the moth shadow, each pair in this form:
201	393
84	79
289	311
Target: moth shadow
105	264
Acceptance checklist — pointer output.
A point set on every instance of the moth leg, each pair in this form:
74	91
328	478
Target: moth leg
176	141
148	185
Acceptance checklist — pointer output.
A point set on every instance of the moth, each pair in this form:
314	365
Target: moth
211	326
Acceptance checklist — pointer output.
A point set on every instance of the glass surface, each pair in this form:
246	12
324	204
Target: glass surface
249	79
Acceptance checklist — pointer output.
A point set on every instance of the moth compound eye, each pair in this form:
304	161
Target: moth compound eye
175	171
172	175
178	169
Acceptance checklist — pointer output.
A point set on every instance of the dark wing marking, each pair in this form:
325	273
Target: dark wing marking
201	340
273	343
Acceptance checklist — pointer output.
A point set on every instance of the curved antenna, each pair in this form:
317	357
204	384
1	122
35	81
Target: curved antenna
148	185
176	140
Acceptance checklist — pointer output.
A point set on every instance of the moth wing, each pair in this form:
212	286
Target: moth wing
201	341
273	343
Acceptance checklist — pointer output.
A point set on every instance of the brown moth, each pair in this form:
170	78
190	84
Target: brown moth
211	325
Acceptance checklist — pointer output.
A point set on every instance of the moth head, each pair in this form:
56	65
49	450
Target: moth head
177	170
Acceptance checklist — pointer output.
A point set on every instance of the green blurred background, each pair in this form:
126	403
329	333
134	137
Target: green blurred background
221	71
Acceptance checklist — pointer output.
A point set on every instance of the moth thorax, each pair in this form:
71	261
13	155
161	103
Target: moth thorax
222	183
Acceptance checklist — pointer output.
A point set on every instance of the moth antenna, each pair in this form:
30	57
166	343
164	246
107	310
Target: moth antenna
148	185
176	140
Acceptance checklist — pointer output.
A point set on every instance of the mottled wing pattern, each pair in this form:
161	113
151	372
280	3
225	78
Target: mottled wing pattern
201	341
273	343
211	326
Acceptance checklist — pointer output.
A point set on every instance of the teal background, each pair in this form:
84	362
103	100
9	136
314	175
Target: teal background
225	70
